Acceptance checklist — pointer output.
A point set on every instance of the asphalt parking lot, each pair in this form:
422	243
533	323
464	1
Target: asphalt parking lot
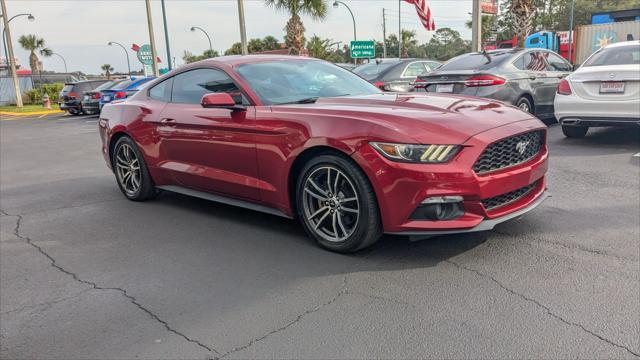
88	274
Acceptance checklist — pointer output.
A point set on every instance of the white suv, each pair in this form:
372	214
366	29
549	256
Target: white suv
604	91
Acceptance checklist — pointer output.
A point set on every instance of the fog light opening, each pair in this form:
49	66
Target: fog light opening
439	208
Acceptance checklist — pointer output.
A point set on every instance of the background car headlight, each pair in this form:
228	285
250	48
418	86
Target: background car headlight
416	153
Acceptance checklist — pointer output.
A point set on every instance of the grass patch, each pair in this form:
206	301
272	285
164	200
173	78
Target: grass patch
27	108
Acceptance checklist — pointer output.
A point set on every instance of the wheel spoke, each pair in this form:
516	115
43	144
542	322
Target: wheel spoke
344	231
329	180
118	164
333	223
121	160
325	208
348	199
319	197
335	183
318	188
322	219
355	211
135	181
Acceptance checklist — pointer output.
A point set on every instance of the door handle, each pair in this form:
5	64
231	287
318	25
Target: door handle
168	121
532	77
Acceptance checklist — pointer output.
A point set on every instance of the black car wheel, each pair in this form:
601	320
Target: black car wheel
525	105
336	204
131	171
574	131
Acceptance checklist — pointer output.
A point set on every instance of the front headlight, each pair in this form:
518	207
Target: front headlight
431	154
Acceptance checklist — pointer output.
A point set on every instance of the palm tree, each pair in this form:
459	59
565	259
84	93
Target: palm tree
270	43
316	9
107	70
522	14
33	43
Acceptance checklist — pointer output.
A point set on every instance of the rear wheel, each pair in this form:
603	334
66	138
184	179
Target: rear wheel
525	105
131	171
337	205
574	131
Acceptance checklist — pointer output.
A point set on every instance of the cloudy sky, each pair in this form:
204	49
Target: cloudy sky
80	29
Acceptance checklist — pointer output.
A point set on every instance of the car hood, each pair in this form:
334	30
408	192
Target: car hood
425	118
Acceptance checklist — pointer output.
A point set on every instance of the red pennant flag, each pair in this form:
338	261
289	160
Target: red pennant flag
135	47
424	13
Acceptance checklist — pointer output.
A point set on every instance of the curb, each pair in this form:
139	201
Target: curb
46	112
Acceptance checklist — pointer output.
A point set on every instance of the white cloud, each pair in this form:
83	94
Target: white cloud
81	29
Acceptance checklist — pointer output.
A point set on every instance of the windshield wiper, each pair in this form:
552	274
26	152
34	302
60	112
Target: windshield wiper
309	100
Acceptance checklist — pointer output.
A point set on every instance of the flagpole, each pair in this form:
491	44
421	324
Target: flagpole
399	30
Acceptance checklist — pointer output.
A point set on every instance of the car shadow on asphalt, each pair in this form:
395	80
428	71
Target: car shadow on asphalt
599	141
391	252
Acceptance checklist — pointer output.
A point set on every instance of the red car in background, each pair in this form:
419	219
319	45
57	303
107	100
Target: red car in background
300	137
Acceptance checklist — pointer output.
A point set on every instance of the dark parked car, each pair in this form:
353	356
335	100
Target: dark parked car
395	74
91	99
123	90
71	95
526	78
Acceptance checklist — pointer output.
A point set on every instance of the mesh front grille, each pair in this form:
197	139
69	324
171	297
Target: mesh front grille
509	152
504	199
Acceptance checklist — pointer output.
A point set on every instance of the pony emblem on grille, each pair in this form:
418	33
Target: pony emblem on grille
522	146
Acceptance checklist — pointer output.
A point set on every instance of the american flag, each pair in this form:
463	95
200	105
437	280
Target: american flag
424	13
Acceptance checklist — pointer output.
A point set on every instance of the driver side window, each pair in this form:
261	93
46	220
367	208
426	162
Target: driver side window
189	87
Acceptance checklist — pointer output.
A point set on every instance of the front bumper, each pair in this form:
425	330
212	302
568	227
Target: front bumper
484	225
400	187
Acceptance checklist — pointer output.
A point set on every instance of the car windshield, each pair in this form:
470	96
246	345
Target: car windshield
476	61
281	82
618	55
372	70
123	85
106	85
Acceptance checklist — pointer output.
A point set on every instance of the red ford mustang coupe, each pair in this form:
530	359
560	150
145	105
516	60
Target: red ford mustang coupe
301	137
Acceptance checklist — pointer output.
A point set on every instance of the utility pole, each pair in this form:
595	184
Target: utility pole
243	30
573	3
476	27
11	59
152	39
384	34
399	29
166	34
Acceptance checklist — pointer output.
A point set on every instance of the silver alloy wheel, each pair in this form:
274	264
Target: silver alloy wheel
524	106
128	169
331	204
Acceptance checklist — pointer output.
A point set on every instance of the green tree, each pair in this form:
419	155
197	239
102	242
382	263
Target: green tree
270	43
189	57
316	9
235	49
322	49
108	69
445	44
255	45
34	44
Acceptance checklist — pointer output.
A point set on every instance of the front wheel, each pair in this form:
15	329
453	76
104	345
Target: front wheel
574	131
337	205
131	171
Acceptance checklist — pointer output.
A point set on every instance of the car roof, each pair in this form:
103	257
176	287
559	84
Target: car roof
624	43
234	60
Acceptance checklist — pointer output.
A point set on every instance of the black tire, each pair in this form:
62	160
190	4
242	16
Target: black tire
360	233
574	131
73	112
146	189
525	105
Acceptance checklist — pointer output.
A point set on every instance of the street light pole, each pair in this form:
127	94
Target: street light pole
573	3
4	42
476	27
243	30
335	5
63	60
384	34
12	63
193	28
152	40
125	53
166	34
